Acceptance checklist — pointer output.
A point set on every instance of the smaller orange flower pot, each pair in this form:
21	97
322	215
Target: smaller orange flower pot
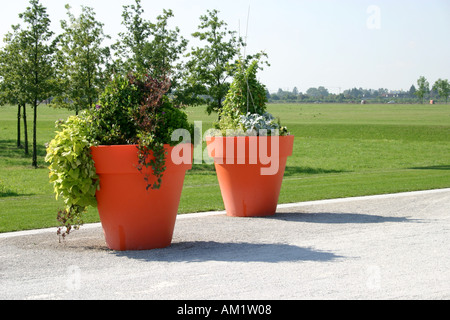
132	217
250	171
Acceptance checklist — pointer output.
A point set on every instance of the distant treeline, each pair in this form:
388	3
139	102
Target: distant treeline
439	92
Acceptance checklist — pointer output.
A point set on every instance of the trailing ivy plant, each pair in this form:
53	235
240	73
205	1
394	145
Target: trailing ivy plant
133	110
72	171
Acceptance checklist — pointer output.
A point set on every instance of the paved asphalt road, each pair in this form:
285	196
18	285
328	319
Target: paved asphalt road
380	247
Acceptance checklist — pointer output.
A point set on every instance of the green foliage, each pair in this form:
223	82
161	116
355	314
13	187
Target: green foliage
156	119
12	86
136	106
130	49
244	110
211	65
133	109
145	46
174	118
37	48
72	170
148	46
443	88
423	88
30	56
166	48
246	93
81	61
113	117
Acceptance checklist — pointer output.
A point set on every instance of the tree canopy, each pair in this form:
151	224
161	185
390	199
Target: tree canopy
81	60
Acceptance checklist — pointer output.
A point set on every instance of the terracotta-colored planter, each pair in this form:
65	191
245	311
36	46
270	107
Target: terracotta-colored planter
132	217
249	184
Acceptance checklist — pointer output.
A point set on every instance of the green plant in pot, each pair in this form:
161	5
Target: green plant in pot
118	156
249	147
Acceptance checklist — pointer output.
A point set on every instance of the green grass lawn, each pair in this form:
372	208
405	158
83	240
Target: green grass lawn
339	151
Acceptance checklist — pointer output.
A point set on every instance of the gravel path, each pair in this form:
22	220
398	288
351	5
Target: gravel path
380	247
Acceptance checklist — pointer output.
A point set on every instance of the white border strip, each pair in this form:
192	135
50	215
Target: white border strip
374	197
42	231
217	213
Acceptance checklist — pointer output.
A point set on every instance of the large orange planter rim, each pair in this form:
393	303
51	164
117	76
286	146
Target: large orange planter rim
245	147
123	158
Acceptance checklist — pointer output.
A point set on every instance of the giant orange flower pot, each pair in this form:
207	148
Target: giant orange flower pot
132	217
250	171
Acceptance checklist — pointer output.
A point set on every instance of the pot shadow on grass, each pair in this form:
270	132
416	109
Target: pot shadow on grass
202	251
295	170
9	149
5	193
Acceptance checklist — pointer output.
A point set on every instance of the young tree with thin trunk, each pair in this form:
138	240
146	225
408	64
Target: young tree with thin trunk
423	88
147	47
37	49
12	85
211	65
81	61
443	88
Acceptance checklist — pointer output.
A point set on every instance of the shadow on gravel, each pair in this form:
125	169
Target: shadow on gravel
201	251
338	218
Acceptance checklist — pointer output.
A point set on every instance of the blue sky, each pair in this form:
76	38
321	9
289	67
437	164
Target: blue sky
338	44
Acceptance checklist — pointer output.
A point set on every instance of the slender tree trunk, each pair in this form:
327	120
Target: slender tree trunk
89	80
35	103
25	128
18	125
34	162
219	104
